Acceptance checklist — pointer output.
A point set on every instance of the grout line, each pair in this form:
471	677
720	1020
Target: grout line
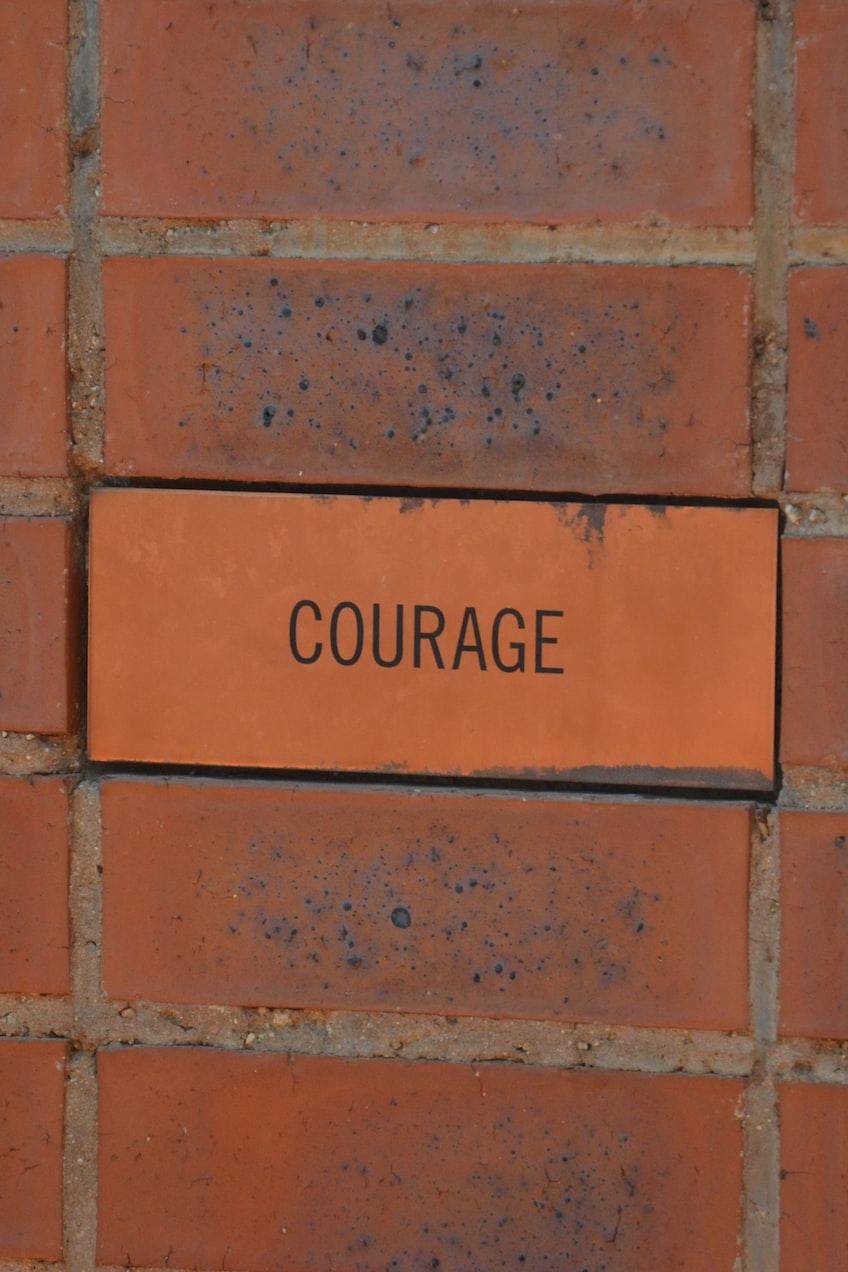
30	754
36	496
761	1154
19	237
773	160
80	1163
80	1173
814	789
816	245
323	240
85	300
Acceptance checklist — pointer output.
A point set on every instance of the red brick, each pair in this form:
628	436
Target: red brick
32	1081
421	111
576	910
32	366
537	377
821	145
813	950
33	886
814	1188
815	652
817	441
33	37
212	1159
36	646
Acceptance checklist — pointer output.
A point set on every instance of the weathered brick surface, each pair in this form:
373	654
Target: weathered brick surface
817	440
213	1160
489	905
585	378
485	110
821	145
32	366
815	653
814	952
33	886
814	1177
32	107
32	1083
37	675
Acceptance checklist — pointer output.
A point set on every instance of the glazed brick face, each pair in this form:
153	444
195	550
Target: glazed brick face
211	1160
814	1177
32	108
376	900
36	641
814	954
473	110
817	442
821	138
815	653
32	1080
33	886
32	366
537	377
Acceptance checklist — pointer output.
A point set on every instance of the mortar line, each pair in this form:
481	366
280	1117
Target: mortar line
85	299
419	242
80	1153
51	237
773	163
85	390
761	1164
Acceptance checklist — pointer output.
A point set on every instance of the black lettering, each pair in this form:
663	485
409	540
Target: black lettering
375	635
334	633
469	619
295	614
517	645
419	635
542	640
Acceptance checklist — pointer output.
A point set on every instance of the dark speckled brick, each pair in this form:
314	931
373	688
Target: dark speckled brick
489	905
474	109
214	1160
541	377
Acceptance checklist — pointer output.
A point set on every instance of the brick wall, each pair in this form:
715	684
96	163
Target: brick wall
615	1036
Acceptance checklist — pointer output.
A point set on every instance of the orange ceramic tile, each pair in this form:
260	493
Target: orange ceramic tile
817	441
37	641
33	58
814	916
480	109
814	715
399	900
597	642
537	377
33	885
215	1160
32	1082
814	1177
821	140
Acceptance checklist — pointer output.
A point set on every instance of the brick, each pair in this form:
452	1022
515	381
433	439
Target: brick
821	139
32	366
267	1161
33	886
32	1081
814	958
426	111
814	1175
815	653
375	900
679	689
36	644
536	377
817	440
33	38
